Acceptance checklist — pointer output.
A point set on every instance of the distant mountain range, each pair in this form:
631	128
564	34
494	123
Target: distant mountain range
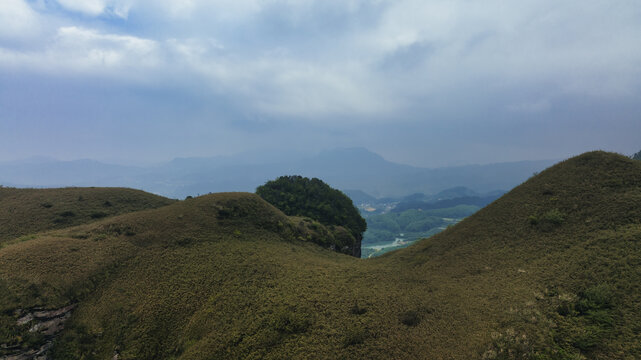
347	168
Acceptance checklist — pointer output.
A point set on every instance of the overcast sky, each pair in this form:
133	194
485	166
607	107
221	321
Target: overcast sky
420	82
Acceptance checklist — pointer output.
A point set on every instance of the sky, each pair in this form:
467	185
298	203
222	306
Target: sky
421	82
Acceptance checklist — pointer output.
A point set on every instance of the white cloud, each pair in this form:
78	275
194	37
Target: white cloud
89	49
81	51
17	20
117	8
310	91
88	7
311	58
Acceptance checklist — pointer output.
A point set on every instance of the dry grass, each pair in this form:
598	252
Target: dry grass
229	276
28	211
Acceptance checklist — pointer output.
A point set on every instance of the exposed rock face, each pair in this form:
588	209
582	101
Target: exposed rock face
46	322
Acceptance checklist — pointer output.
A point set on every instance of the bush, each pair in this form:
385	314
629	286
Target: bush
410	318
286	321
553	216
549	220
357	310
354	335
588	338
98	215
594	298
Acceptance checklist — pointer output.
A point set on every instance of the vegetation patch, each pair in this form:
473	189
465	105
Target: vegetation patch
357	310
300	196
410	318
589	320
548	220
28	211
98	215
290	321
355	334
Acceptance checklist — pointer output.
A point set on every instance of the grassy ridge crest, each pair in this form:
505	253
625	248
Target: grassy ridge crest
28	211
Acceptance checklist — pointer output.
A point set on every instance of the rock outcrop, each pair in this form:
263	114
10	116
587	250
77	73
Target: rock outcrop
48	322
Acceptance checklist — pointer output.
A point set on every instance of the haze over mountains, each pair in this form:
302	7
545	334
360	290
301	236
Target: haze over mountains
346	169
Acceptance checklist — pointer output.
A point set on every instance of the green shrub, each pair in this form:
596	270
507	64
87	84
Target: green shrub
553	216
410	318
594	298
287	321
548	220
98	215
588	338
357	310
354	335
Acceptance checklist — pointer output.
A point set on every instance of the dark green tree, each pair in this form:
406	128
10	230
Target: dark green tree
637	156
301	196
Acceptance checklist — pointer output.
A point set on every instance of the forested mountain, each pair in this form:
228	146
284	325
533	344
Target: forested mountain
301	196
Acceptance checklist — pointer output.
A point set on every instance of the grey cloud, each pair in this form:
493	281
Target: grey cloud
344	71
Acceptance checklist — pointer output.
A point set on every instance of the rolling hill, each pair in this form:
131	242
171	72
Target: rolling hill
27	211
551	270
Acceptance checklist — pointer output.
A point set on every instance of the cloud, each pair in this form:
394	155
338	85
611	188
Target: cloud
89	7
359	60
87	48
77	51
17	20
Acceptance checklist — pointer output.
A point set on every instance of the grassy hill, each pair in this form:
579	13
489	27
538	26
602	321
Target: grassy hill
552	270
28	211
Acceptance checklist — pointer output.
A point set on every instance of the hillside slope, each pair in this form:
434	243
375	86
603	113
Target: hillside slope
549	271
559	257
28	211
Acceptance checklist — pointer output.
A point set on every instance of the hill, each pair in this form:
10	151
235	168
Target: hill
443	204
300	196
28	211
549	271
562	252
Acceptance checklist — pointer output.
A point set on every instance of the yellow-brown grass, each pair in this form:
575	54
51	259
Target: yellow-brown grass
28	211
549	271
